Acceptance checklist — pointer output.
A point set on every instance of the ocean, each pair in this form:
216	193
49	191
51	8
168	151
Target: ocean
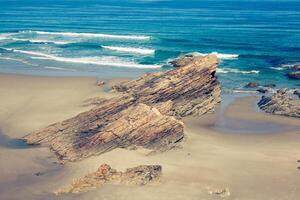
256	40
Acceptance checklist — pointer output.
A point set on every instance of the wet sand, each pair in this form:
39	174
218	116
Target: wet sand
238	147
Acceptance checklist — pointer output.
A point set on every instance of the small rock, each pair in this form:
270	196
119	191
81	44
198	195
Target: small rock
222	193
100	83
251	85
262	90
294	75
39	174
297	92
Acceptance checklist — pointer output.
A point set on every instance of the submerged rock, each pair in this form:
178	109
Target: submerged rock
251	85
140	175
146	115
294	75
280	104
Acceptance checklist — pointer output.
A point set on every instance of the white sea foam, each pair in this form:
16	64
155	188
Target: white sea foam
219	55
278	68
104	61
143	51
94	35
40	41
232	70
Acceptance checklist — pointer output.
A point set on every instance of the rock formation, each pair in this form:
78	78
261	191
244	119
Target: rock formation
294	75
191	89
280	103
144	115
140	175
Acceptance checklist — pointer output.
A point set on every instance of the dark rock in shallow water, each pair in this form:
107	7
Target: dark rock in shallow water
297	92
140	175
143	116
280	104
262	90
251	85
294	75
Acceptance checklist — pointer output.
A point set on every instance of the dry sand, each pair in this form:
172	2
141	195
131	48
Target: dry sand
251	153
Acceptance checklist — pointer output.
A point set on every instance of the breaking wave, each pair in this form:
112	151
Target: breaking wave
232	70
94	35
143	51
103	61
219	55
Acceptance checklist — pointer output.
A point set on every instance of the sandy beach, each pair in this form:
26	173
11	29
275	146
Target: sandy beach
251	153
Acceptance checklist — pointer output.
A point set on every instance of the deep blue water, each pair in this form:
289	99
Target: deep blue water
255	39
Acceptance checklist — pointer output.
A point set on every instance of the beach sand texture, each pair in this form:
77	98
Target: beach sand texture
251	153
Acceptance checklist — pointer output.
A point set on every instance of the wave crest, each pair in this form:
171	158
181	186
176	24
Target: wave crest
232	70
91	35
219	55
103	61
143	51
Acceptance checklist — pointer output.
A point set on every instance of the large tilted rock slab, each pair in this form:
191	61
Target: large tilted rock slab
280	103
140	175
116	123
146	115
192	89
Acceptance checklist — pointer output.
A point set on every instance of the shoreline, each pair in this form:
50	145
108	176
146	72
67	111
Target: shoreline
209	158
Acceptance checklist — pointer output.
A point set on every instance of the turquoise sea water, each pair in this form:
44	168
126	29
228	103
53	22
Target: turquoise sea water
256	40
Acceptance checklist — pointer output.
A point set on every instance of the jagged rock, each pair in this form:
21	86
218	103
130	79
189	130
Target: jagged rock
182	61
251	85
142	116
116	123
280	104
100	83
192	89
140	175
294	75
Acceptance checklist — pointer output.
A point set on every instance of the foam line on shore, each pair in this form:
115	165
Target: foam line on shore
103	61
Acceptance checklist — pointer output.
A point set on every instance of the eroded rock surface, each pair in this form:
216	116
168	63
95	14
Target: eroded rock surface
192	89
140	175
294	75
145	115
280	103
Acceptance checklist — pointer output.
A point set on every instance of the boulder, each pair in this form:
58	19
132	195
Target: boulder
140	175
146	114
280	103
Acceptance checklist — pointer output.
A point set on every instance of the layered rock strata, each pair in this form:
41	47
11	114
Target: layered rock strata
146	114
140	175
280	103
